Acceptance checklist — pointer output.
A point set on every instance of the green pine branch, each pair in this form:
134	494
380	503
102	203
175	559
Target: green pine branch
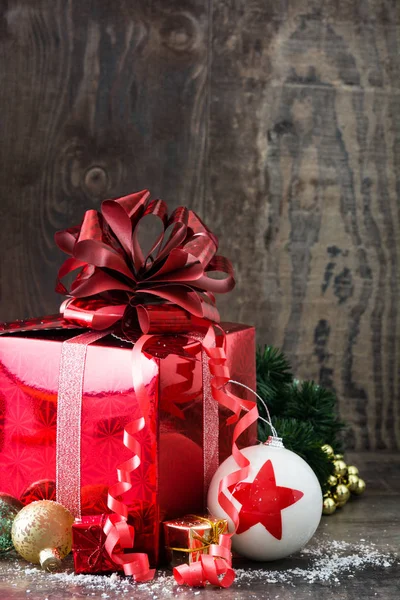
273	374
316	405
303	413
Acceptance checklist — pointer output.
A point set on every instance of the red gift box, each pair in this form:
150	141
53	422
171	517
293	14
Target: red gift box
176	441
88	540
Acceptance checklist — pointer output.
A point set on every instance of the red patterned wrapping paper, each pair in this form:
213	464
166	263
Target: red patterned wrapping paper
186	539
170	477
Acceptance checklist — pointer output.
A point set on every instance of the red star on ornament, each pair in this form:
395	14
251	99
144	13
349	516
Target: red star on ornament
262	501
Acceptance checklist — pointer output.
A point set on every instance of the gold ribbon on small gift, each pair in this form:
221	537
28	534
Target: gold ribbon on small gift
217	528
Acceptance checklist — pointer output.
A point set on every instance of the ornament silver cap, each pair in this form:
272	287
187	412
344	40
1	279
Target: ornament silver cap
274	441
50	559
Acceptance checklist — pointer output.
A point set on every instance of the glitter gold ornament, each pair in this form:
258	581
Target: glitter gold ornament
41	533
340	468
329	506
9	508
341	494
352	470
327	449
360	489
352	483
332	481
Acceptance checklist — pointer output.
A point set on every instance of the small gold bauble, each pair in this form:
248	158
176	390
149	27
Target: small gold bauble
329	506
327	449
340	468
341	494
352	483
338	457
42	533
332	481
351	470
360	487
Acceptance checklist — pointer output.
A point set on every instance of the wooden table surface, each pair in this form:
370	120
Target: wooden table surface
352	555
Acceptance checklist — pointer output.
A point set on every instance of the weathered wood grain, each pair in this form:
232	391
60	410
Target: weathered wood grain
278	121
304	181
97	99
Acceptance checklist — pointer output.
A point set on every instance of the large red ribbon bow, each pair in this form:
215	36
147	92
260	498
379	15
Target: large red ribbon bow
117	278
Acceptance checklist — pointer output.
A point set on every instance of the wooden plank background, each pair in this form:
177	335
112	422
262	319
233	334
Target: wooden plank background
278	121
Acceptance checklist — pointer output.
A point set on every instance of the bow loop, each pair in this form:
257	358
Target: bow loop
134	204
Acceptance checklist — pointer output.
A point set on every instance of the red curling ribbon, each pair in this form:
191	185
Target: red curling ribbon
119	534
216	567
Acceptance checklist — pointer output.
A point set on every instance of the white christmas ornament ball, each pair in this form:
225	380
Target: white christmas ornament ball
279	503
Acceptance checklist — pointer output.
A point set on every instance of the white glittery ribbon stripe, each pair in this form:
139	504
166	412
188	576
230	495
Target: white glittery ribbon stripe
69	409
210	427
210	422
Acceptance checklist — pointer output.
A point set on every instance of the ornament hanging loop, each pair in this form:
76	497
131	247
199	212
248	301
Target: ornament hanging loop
273	440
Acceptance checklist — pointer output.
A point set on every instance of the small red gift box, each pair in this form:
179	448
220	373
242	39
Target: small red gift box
184	434
186	539
88	539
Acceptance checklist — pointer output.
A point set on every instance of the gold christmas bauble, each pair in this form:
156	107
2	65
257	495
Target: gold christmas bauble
340	468
327	449
332	481
351	470
329	506
42	533
341	494
338	456
352	483
360	489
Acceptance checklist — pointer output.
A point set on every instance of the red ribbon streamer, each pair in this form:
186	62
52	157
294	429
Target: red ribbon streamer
120	535
216	567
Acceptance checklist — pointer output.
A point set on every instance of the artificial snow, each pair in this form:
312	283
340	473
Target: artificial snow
327	562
